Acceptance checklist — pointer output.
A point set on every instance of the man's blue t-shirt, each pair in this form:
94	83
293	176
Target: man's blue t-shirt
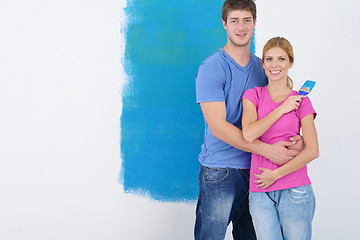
221	79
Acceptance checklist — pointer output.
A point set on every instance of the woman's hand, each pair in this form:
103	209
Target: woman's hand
266	179
291	103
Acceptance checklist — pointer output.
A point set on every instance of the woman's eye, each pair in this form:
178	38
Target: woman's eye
282	59
268	59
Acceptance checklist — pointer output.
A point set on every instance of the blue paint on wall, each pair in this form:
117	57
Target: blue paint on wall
161	124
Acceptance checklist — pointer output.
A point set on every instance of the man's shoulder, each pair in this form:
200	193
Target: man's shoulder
214	63
256	58
216	57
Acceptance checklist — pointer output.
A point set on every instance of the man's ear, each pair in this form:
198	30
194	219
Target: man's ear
224	25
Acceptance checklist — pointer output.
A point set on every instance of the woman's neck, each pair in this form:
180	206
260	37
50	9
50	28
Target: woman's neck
278	90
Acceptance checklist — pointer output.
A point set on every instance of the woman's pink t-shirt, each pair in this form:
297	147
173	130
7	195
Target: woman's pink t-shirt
285	127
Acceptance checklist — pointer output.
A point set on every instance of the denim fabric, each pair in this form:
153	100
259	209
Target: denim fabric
283	214
223	198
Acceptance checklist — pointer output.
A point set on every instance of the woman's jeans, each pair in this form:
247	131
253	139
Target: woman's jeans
283	214
223	198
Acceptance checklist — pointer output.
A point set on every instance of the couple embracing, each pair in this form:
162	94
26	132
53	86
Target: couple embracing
253	160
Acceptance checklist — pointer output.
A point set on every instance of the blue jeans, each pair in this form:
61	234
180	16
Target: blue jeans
283	214
223	198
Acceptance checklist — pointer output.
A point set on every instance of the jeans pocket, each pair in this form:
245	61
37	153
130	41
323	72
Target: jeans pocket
213	175
300	195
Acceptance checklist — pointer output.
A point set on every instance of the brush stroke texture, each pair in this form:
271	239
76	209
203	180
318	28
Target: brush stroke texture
161	124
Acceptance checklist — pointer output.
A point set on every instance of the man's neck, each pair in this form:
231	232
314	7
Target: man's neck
240	54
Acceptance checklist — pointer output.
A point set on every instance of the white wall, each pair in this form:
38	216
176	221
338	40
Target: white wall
60	102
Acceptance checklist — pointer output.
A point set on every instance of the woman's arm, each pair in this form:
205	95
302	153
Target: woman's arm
309	153
253	128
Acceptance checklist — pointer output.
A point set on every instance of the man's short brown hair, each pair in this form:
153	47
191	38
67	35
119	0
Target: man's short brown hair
247	5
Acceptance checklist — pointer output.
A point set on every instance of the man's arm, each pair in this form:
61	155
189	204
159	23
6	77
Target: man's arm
215	116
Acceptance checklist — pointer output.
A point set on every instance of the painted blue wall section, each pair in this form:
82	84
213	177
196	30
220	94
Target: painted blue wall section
161	124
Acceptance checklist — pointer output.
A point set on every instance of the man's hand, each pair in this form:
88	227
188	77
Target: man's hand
281	152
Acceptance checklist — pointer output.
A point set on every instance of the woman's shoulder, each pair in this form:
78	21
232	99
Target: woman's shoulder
293	93
255	92
257	89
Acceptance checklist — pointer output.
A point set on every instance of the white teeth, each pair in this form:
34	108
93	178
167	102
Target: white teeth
275	72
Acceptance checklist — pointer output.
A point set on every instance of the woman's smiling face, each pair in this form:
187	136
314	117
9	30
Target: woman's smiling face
276	63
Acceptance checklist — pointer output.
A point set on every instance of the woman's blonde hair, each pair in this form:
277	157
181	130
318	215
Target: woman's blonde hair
284	44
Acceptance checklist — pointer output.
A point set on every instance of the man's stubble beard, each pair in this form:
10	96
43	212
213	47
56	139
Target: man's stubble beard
239	45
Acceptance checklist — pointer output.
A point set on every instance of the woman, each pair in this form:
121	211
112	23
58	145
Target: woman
281	199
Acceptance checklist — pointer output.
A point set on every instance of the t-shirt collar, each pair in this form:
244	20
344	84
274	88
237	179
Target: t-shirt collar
248	65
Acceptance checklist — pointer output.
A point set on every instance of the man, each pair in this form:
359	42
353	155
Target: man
225	156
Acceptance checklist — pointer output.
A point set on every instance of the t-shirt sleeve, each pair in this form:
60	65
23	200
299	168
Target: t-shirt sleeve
306	108
210	83
251	95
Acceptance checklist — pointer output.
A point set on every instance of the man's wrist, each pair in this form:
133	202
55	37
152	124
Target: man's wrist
262	148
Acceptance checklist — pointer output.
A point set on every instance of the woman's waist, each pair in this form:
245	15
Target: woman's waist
297	178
